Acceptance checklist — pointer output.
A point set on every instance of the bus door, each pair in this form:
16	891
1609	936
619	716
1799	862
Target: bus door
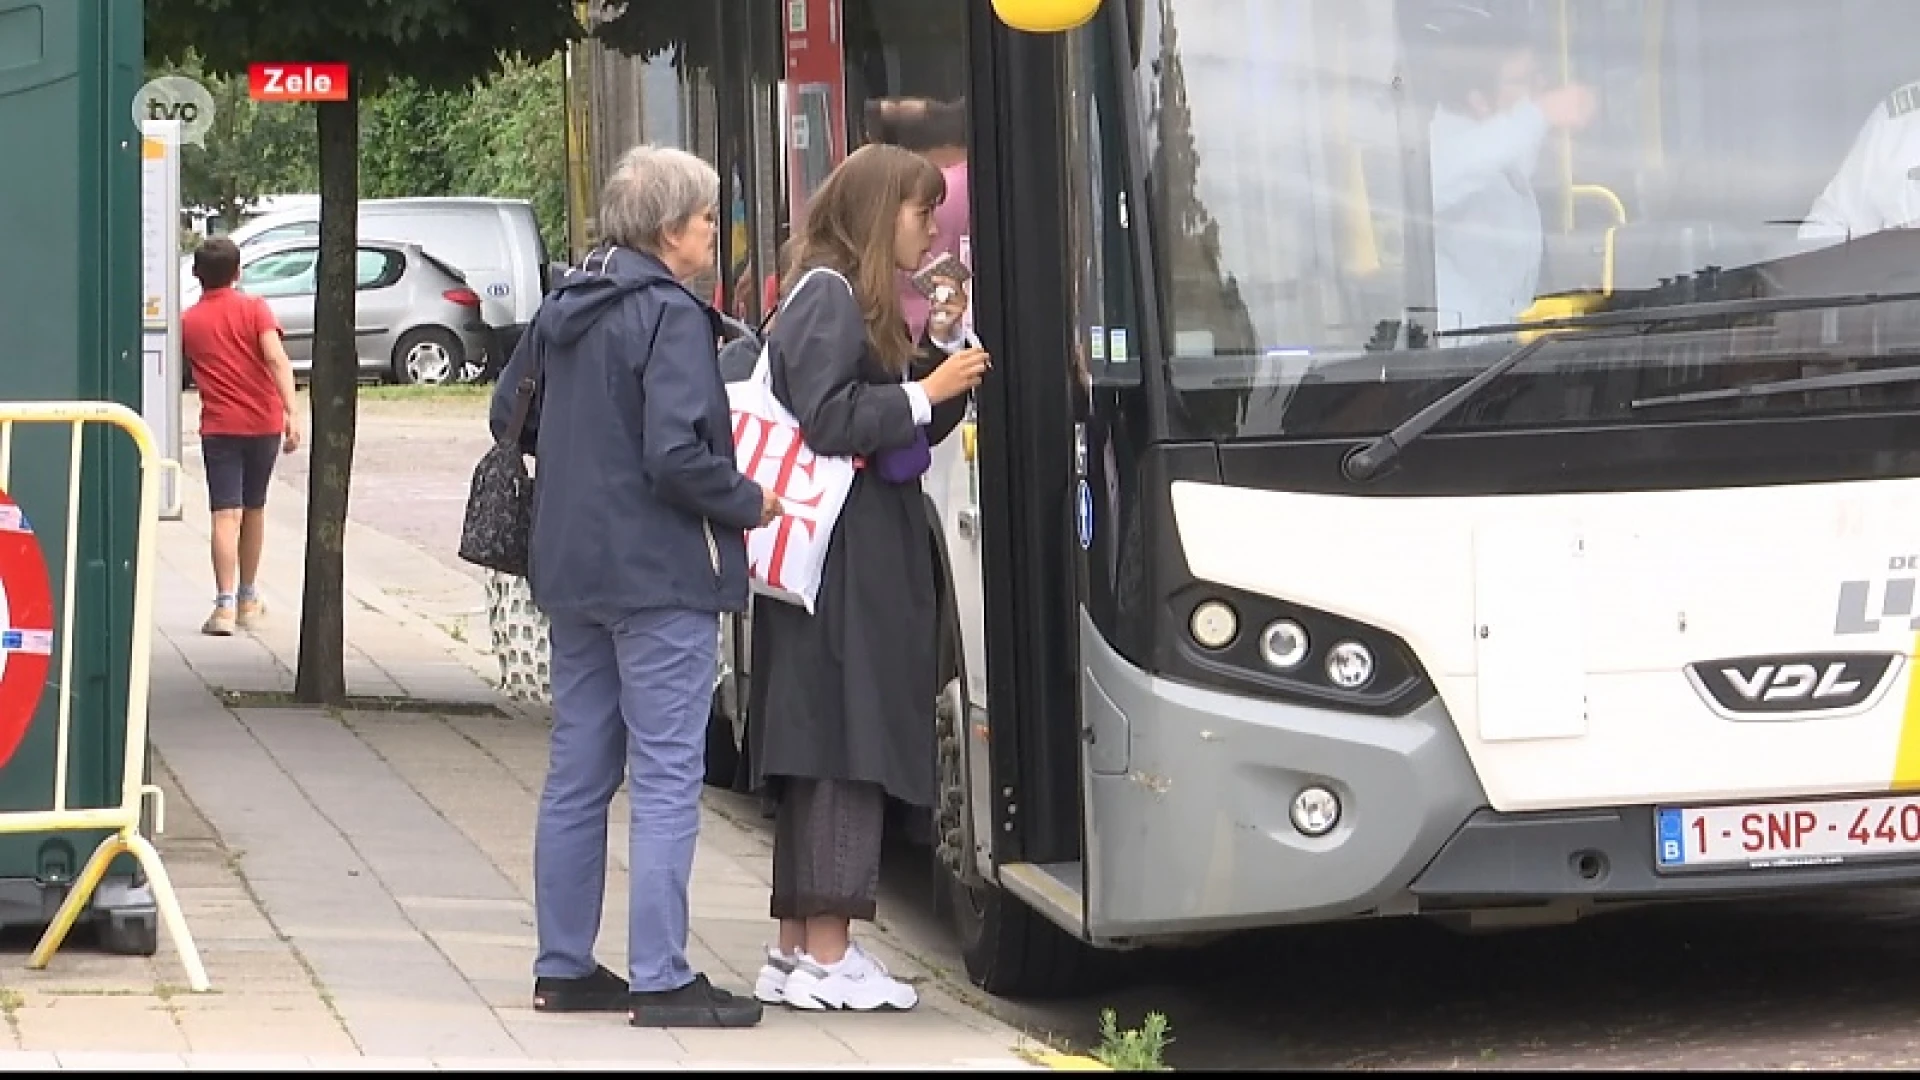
1046	510
904	68
945	79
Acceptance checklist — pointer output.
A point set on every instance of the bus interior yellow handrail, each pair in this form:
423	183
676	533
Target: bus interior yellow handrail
1619	209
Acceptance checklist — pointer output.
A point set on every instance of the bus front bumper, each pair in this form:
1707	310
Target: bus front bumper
1190	830
1189	794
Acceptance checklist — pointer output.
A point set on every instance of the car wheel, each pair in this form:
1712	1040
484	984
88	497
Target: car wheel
428	356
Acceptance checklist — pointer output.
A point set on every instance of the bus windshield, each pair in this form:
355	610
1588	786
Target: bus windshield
1339	188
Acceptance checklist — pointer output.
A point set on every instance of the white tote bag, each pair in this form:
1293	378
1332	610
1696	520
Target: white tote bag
519	630
519	633
786	559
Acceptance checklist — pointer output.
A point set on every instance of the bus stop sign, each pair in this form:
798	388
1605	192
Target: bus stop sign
26	626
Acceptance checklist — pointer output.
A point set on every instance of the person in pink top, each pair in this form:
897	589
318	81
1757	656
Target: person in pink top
937	131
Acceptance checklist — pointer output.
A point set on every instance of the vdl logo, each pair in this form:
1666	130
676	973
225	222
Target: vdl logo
176	97
1794	687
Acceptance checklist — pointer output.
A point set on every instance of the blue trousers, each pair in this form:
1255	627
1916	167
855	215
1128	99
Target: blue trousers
631	694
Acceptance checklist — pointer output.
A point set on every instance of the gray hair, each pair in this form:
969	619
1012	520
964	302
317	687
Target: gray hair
652	191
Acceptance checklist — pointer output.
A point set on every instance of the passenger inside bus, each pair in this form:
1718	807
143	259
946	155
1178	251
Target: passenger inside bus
1337	226
1878	184
937	131
1490	123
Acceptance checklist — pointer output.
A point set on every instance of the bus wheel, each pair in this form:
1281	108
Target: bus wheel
1010	950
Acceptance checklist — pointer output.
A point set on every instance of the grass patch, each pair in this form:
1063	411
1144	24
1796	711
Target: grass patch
1141	1049
443	392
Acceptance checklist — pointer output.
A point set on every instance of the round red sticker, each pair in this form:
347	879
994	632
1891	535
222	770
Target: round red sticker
26	626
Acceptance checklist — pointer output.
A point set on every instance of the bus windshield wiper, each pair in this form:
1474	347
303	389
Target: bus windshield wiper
1371	459
1838	380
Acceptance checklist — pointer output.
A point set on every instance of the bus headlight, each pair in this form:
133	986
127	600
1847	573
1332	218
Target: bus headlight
1227	639
1284	644
1350	665
1315	812
1214	625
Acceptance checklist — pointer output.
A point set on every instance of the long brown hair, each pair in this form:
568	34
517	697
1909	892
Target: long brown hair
850	227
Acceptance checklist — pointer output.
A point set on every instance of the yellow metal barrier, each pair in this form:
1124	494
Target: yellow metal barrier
124	819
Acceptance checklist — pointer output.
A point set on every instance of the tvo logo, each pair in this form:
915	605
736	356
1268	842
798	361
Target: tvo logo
176	97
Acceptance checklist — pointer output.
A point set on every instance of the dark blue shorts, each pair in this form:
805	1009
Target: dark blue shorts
238	469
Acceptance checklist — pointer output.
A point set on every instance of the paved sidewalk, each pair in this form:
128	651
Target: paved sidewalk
360	883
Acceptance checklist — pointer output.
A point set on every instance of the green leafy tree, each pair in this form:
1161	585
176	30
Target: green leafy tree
440	44
648	28
252	149
403	150
509	139
504	137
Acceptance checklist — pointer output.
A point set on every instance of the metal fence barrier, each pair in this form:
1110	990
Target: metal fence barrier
124	819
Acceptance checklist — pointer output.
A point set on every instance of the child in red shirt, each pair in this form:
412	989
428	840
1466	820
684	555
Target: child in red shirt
247	419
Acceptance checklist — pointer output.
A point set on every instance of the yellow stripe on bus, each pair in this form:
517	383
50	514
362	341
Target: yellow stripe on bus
1906	760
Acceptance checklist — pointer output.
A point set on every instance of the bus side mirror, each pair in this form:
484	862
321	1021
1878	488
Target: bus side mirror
1045	16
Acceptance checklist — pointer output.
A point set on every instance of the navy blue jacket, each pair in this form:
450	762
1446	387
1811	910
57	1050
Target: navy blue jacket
637	502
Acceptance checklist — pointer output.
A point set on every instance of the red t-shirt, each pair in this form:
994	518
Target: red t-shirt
220	337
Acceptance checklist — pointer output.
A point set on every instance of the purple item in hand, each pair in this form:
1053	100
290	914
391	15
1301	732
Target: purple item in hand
905	464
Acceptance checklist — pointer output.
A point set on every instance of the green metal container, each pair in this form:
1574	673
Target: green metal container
70	330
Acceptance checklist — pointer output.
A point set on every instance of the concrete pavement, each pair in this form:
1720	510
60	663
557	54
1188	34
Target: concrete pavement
360	881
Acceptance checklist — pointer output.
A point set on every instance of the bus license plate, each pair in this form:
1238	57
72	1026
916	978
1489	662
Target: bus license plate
1771	835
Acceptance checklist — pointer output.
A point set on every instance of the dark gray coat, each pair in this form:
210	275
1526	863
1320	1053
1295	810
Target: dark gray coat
847	693
636	500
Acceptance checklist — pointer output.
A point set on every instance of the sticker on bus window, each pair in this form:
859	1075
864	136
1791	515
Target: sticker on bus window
1117	345
1097	350
1083	504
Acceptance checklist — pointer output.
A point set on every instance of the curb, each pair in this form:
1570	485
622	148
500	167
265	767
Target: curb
191	1061
1068	1063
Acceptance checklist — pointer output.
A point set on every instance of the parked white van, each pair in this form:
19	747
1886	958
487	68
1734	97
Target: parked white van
208	223
495	243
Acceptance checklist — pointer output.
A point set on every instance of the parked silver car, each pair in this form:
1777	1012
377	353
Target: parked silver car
418	321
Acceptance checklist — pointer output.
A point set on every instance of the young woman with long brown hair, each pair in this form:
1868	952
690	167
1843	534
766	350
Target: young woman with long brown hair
842	700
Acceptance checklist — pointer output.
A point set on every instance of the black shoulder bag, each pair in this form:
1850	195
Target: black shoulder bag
498	527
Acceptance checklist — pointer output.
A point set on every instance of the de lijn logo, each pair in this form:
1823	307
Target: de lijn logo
176	97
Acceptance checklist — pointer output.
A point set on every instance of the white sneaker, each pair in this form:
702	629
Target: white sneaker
859	982
771	986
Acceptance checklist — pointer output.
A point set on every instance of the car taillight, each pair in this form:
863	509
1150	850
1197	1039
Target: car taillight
463	297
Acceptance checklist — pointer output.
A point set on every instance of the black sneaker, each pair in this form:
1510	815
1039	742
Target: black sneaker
696	1005
602	991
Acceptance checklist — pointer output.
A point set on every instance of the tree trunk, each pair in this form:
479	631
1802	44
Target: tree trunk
332	390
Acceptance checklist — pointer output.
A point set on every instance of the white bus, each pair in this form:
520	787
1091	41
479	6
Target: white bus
1272	597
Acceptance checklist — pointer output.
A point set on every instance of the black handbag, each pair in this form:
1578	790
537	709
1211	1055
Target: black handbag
498	527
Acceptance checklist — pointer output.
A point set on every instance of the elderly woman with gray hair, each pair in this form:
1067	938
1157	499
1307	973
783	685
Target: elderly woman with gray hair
638	544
